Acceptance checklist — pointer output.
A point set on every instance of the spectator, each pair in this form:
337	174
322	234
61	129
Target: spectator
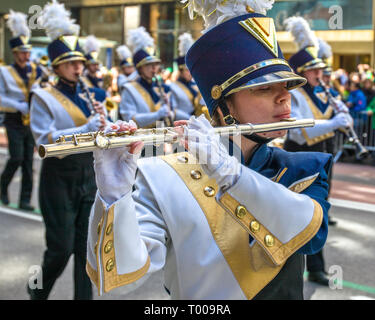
368	89
357	103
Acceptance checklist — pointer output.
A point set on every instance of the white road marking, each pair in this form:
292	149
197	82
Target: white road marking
18	213
352	204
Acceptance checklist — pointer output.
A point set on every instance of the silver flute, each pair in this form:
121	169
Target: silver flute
88	142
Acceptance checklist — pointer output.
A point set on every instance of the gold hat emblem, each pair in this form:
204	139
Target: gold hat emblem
263	29
70	42
312	51
94	55
24	39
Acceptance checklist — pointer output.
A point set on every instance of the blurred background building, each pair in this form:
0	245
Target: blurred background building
109	20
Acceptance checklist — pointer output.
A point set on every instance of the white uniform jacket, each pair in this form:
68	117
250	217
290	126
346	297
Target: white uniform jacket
178	220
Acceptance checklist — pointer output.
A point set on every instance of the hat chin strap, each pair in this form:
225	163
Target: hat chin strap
230	120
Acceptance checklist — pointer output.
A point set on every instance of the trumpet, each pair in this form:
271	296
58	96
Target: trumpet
360	151
88	142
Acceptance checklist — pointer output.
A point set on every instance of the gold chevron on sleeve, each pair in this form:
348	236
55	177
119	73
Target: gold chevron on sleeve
264	30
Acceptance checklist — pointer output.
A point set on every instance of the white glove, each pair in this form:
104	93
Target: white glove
341	106
115	168
94	124
163	112
211	154
340	120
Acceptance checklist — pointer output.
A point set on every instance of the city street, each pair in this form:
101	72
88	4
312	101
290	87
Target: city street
348	252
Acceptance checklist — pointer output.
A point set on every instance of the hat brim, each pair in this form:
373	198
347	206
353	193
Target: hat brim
24	48
319	65
293	81
148	60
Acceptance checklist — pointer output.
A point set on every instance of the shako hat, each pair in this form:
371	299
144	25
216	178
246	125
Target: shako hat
238	49
142	45
125	56
308	46
63	32
17	24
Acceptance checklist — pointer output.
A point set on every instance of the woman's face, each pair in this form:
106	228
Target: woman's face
70	70
265	104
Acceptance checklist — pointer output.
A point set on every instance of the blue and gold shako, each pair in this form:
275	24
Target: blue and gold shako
92	58
306	59
144	56
20	43
237	54
65	48
128	62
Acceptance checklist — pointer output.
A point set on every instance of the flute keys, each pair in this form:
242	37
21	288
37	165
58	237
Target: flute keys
102	142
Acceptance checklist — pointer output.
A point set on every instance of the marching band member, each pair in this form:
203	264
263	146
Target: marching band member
92	49
16	83
141	100
307	102
67	185
128	71
224	227
184	90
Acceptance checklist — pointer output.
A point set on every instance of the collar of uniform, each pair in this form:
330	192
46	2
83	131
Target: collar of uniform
146	84
257	160
22	71
66	88
311	92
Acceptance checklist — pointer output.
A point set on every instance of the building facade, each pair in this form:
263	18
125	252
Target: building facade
347	25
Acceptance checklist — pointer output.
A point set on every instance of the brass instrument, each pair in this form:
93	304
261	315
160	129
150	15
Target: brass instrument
87	142
361	152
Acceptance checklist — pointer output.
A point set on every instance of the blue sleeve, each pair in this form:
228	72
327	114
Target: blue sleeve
100	94
319	192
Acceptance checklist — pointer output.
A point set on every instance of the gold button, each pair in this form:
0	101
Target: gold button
99	226
269	240
109	229
108	247
110	265
195	174
216	92
183	159
241	212
209	191
254	226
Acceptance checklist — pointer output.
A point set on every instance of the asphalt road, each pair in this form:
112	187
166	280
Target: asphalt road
348	253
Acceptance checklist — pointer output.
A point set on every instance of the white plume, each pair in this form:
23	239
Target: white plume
17	24
215	12
185	43
123	52
55	19
139	39
325	50
91	44
302	33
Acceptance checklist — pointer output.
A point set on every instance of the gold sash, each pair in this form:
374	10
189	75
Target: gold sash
251	266
318	115
148	99
25	89
71	108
